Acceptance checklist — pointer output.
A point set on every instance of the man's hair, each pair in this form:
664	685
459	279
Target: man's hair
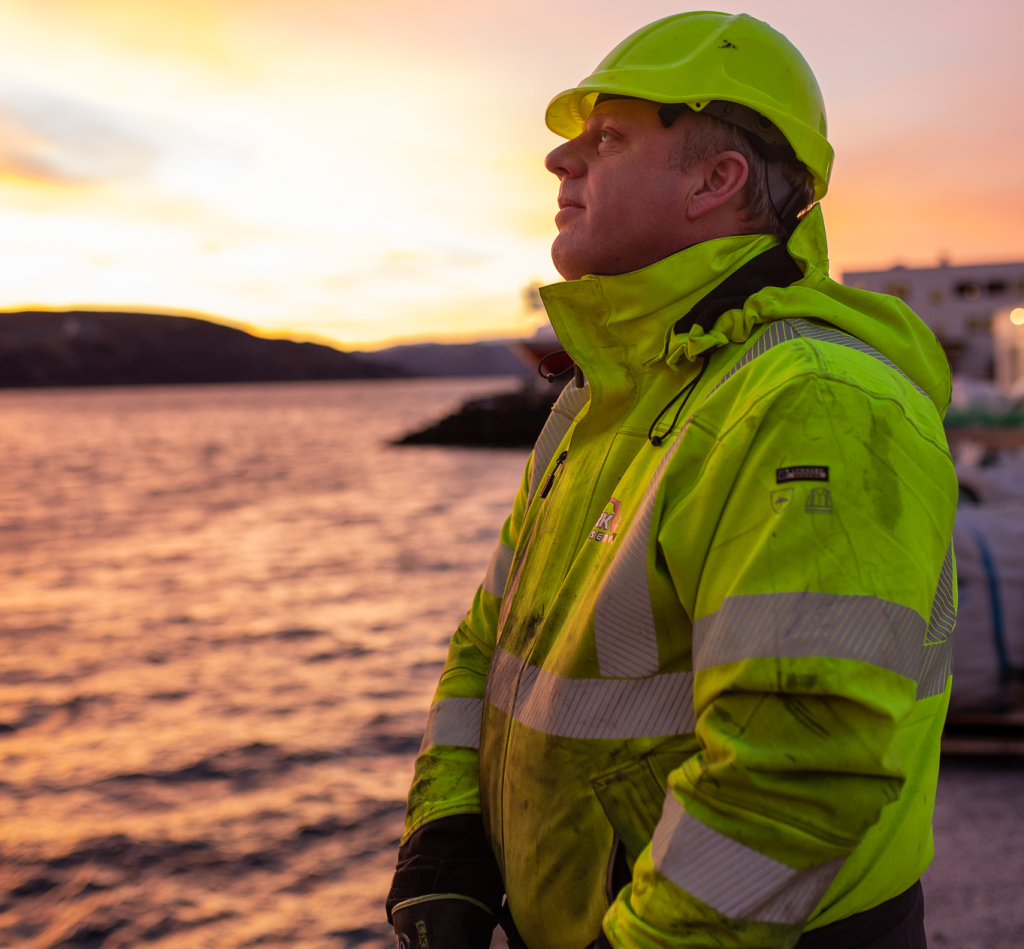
707	137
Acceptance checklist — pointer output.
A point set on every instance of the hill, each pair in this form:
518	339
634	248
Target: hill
451	359
85	347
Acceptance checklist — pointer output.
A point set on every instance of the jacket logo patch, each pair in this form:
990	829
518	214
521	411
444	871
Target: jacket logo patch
801	473
819	501
605	529
781	499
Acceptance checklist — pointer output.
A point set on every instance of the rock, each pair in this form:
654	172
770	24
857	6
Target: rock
510	420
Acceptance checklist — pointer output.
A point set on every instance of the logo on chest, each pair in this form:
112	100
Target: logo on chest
605	529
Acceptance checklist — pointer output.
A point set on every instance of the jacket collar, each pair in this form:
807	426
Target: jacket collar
613	326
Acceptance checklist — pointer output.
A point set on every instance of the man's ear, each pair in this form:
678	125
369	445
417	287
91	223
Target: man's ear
723	178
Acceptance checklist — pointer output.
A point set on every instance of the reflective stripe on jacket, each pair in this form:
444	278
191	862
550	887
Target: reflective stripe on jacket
730	650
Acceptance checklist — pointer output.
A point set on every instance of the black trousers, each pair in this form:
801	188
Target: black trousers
895	924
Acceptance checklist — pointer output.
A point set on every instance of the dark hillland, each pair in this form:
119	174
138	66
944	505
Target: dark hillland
86	347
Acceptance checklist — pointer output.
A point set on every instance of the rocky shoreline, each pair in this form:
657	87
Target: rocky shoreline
508	420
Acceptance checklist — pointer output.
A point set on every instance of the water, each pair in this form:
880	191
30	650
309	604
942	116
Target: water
225	611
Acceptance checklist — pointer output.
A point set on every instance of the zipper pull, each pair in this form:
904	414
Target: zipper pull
554	471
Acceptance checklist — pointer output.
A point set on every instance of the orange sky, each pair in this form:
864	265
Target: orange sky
368	172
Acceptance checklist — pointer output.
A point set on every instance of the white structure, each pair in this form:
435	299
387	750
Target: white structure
958	303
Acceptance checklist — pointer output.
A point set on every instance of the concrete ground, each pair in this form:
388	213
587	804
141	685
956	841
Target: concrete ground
974	889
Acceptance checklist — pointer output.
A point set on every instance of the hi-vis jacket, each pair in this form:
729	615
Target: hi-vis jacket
731	649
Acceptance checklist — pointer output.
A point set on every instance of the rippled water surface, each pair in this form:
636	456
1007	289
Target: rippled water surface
225	610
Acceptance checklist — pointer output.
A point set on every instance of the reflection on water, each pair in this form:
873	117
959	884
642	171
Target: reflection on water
226	608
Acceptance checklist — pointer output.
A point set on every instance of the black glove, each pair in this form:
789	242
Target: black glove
442	921
447	890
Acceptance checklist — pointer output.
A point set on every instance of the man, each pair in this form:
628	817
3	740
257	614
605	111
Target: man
698	698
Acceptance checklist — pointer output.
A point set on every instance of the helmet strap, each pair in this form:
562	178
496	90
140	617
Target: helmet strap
783	195
765	138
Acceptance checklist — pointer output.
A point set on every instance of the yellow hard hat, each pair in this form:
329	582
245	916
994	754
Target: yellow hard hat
701	58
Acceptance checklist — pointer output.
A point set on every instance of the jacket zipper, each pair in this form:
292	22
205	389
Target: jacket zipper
554	471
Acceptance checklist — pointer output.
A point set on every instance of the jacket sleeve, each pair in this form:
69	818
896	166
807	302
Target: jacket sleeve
811	603
447	879
446	779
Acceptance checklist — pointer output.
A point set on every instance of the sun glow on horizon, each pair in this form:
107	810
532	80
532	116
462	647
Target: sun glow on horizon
356	174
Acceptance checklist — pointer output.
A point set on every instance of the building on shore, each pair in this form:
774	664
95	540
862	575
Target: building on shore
958	303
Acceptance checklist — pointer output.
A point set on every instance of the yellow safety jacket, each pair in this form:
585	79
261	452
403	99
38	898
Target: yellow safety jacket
727	646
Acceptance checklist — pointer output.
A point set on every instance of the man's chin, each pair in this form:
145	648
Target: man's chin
567	257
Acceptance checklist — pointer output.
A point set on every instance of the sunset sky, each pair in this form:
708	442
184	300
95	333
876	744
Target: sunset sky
371	172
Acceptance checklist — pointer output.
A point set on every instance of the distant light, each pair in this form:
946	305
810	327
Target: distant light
1017	315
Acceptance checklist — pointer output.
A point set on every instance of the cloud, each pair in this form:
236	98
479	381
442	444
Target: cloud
57	139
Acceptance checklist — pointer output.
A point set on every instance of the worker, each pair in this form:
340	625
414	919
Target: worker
698	698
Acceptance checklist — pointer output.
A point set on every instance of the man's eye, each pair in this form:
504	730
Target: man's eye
605	135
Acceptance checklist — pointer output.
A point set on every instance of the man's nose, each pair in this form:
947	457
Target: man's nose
565	161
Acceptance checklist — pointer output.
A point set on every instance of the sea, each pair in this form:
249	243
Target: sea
224	612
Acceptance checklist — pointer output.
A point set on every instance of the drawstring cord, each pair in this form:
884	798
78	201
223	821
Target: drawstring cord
572	367
685	393
552	376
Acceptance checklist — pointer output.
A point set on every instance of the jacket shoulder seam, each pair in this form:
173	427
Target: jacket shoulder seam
831	379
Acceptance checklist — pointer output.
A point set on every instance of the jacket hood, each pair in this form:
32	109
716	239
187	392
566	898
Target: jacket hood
884	322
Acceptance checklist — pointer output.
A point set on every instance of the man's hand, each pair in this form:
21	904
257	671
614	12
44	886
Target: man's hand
447	890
